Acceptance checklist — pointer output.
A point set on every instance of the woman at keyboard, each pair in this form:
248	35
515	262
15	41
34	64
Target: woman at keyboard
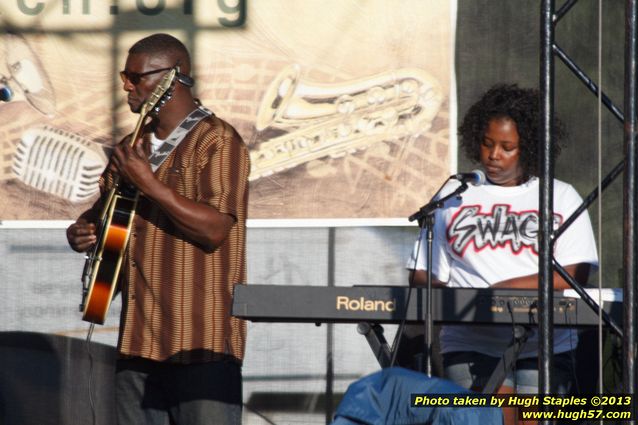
488	238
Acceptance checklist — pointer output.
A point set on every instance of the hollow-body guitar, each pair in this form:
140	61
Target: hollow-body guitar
104	260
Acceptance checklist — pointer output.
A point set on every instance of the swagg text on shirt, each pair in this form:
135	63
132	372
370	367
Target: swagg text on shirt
499	228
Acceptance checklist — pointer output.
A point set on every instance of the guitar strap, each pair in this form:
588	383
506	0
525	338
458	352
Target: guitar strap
175	138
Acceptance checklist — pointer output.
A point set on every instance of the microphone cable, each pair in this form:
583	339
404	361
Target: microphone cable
572	350
514	336
90	378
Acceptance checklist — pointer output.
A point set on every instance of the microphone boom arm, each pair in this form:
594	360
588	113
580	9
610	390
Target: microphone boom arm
432	206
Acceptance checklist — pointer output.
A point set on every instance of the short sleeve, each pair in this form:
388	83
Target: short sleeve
577	244
224	177
440	255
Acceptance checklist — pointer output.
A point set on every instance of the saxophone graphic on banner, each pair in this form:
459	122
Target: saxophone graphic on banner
336	119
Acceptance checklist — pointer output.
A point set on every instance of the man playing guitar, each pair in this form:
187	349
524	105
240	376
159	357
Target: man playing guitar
179	349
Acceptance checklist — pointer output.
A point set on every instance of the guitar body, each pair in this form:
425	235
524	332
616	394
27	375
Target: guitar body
104	261
103	265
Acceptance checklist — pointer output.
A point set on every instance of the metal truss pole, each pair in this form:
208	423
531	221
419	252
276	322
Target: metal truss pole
545	269
630	216
630	188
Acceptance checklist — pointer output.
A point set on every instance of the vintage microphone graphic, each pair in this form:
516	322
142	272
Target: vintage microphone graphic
59	162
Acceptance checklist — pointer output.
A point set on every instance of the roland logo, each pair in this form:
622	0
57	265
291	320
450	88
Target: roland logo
364	304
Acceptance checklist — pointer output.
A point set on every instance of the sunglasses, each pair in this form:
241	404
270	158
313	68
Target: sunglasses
135	77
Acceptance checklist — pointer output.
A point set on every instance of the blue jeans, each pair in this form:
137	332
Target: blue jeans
155	393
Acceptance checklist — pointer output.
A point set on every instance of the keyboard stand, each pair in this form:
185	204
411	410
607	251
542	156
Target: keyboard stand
508	360
373	333
379	345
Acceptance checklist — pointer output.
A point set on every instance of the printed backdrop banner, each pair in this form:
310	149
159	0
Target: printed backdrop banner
344	104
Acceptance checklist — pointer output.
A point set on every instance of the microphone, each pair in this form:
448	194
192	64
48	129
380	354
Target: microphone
6	94
474	177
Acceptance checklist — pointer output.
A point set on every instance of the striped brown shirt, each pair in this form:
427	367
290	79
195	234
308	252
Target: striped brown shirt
176	295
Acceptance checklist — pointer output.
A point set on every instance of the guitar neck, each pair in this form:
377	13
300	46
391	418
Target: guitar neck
117	180
140	124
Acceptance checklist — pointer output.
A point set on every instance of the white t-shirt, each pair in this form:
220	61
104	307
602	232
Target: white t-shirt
155	142
490	235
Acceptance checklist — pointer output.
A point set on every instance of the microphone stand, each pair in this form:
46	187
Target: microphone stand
425	215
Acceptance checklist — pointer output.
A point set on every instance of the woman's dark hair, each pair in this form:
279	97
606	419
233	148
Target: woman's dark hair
521	106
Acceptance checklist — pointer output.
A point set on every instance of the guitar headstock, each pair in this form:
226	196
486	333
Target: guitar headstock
160	94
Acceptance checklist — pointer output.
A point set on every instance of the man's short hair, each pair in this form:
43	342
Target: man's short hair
162	44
